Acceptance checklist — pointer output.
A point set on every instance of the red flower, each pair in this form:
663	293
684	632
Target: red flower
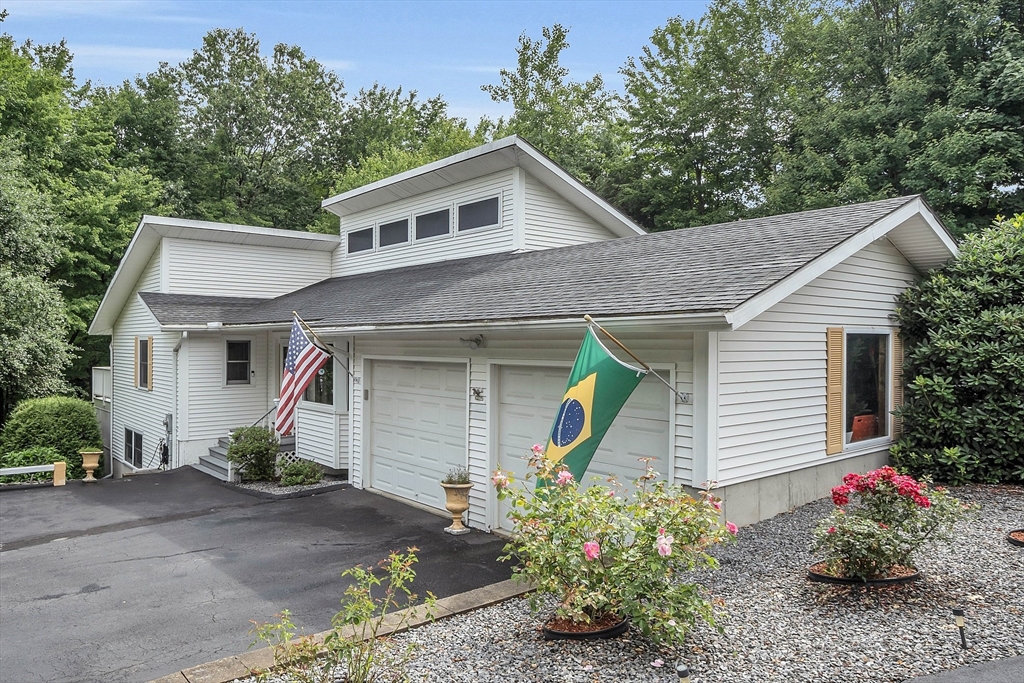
883	526
841	494
831	530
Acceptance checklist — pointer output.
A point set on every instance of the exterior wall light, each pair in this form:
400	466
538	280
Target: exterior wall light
474	342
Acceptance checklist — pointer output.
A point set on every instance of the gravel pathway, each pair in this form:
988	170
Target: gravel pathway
778	627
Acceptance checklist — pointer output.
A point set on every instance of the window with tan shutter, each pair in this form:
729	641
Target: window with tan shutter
834	390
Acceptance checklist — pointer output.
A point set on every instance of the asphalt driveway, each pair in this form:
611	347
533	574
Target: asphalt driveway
129	580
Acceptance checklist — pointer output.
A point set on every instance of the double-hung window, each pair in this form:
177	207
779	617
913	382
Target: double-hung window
238	362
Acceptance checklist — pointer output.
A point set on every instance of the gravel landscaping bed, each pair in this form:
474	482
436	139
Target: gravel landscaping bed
278	490
778	626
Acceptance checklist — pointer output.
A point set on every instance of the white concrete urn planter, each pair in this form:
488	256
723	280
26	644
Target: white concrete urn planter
90	462
456	502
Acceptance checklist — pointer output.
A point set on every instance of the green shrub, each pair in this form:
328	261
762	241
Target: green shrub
65	424
37	455
254	451
301	473
963	337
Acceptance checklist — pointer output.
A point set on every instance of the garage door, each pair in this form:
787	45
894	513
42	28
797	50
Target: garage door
528	400
417	427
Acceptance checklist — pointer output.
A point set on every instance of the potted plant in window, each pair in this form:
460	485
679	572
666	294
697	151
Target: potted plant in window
456	486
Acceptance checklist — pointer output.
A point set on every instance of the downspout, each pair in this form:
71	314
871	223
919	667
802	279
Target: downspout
110	463
175	458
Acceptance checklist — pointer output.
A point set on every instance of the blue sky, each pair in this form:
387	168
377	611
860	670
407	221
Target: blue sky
447	48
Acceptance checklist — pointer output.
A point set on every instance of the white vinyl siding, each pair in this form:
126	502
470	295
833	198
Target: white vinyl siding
772	370
551	221
224	269
316	435
215	407
671	348
132	407
433	249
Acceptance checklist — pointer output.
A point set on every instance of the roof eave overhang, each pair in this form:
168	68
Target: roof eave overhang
717	320
915	208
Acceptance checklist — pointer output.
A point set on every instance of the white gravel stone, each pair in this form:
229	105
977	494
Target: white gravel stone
777	626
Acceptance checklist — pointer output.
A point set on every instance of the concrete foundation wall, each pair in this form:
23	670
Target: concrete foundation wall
753	501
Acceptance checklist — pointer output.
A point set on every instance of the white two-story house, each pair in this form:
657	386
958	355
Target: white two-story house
454	300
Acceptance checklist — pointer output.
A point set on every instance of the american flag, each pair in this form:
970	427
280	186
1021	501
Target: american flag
301	363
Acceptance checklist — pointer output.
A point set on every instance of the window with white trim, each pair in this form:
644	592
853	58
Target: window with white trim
433	224
395	232
360	240
133	448
238	362
481	214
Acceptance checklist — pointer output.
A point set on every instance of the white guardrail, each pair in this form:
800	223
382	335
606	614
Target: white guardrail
59	470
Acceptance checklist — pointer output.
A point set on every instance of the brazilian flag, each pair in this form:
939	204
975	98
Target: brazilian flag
598	387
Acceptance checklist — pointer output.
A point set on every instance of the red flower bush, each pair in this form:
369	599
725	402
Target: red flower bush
891	515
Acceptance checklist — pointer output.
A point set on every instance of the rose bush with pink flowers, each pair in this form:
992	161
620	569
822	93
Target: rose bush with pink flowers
601	551
882	518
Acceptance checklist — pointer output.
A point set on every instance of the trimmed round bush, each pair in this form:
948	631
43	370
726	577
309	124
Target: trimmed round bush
963	336
67	425
37	455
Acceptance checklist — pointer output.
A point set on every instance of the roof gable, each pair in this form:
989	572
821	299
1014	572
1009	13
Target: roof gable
499	155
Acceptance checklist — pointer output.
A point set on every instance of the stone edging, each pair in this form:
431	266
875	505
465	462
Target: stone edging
240	666
267	495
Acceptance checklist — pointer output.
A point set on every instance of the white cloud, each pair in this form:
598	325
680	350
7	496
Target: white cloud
163	12
337	64
138	59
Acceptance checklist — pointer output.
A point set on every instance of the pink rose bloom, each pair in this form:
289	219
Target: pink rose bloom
592	550
537	449
732	528
564	477
664	543
716	504
499	479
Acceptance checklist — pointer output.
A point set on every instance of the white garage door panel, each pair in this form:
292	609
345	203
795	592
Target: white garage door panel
418	428
529	399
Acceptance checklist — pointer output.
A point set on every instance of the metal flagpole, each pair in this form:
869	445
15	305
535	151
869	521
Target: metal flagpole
326	347
683	398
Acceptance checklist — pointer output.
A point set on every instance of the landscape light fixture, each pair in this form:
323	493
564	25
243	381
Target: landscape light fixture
959	614
683	673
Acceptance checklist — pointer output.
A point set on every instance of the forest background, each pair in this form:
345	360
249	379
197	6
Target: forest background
759	107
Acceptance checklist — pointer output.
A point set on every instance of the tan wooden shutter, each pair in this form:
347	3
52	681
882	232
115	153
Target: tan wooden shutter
833	390
897	381
149	368
135	382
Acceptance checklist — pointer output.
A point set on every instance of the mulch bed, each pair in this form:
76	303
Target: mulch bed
897	571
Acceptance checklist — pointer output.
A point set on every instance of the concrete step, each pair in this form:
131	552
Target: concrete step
213	471
219	452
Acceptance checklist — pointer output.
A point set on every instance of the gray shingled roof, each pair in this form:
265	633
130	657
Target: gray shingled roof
713	268
185	309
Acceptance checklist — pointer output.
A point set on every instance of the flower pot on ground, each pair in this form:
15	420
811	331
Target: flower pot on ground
607	556
882	519
864	427
90	462
456	493
1016	537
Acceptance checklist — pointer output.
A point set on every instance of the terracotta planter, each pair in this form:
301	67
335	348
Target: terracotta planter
817	573
1016	537
605	630
90	462
456	502
864	427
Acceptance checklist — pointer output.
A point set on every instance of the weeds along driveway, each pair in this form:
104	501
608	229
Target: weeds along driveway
133	579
